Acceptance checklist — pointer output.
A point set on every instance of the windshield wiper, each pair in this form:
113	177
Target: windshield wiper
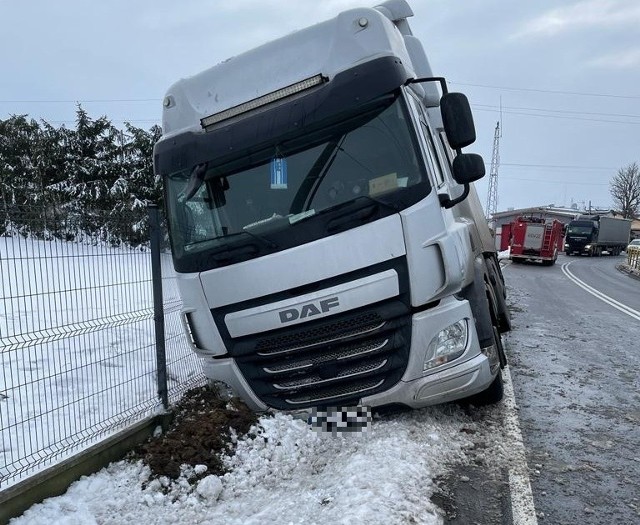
196	179
356	212
316	174
260	238
380	202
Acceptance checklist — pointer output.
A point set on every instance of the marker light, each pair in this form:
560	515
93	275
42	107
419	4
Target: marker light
448	345
259	102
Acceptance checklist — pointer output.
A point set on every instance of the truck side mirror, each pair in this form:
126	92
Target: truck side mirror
468	167
457	120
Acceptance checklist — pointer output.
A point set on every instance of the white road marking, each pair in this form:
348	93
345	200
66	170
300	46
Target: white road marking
522	508
603	297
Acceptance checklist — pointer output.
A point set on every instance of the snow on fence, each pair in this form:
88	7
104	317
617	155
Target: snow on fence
77	341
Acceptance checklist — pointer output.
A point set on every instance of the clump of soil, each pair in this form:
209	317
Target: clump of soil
201	434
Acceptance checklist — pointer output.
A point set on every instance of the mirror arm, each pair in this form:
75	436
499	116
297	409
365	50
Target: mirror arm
447	203
441	80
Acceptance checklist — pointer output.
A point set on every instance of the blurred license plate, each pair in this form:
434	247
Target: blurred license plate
341	420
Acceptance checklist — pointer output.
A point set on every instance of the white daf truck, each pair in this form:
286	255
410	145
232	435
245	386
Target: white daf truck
330	247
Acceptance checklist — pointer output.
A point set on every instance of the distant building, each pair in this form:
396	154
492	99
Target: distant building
564	215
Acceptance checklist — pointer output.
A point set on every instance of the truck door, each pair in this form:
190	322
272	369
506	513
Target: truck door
533	236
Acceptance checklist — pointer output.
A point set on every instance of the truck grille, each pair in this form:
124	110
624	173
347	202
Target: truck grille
343	353
329	362
325	335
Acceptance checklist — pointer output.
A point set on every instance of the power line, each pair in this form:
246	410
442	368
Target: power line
582	183
556	111
488	86
557	166
78	101
156	120
561	116
111	119
506	88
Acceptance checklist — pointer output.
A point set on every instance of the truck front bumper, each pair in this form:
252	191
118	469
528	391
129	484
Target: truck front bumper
465	376
469	374
457	382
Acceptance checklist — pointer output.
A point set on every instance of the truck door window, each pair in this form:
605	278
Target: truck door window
435	152
449	153
429	149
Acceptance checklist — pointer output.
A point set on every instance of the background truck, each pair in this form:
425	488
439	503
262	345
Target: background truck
535	239
593	234
329	245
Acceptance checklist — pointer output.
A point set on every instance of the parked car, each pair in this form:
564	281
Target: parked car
634	242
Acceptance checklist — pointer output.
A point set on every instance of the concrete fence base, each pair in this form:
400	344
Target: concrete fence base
630	270
55	480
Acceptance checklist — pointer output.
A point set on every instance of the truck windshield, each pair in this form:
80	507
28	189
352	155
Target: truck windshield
579	230
263	195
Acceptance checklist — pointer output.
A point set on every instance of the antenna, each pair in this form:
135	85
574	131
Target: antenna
492	197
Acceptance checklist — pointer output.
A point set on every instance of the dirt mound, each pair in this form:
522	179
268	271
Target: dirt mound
201	433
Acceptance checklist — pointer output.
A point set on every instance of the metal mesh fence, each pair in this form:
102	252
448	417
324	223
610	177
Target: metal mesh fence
77	340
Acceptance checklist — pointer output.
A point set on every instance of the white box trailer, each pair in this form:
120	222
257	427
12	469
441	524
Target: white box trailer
329	244
614	231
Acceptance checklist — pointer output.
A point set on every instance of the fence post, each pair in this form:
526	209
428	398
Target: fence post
158	306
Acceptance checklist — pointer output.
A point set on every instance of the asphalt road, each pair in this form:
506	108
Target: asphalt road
575	363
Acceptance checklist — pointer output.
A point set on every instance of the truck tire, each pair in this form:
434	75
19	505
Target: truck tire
497	281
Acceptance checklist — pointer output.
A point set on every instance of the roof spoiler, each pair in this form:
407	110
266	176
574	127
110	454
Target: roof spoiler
397	11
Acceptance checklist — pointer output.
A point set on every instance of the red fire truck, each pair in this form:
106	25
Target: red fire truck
535	239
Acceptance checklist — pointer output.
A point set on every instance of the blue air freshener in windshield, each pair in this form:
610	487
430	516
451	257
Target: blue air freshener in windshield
279	173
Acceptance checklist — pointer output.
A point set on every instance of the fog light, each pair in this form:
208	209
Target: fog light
448	345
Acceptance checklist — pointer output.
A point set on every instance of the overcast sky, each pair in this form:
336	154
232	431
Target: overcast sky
566	73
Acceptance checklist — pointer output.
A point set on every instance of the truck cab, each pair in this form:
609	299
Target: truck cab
581	233
329	245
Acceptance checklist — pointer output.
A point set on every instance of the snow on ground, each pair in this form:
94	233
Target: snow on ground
287	473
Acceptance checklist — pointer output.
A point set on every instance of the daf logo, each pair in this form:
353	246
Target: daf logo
307	310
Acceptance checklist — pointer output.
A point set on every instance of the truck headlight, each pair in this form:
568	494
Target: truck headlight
447	345
566	245
587	247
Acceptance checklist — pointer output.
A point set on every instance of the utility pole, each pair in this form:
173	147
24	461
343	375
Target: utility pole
492	198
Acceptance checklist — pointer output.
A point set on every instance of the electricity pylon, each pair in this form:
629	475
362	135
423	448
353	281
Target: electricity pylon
492	198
